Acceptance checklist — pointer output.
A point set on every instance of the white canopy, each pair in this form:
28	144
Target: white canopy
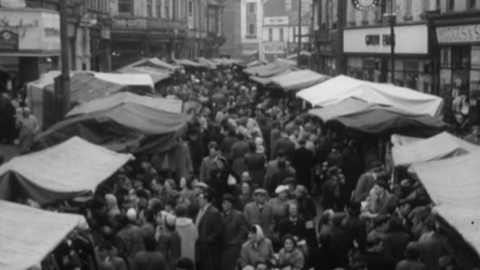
130	79
443	145
299	79
28	235
399	140
342	87
111	101
61	172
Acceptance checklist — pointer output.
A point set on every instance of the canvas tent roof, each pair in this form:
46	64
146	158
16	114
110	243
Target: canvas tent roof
155	63
382	120
287	62
399	140
267	70
61	172
452	181
86	87
268	80
345	107
127	127
188	63
130	79
28	235
299	79
342	87
443	145
169	105
209	63
156	74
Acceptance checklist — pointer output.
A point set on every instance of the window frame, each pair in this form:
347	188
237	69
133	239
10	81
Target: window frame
450	5
254	32
126	3
471	4
281	34
249	5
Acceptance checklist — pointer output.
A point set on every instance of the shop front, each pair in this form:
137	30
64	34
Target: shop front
274	49
457	60
29	45
368	55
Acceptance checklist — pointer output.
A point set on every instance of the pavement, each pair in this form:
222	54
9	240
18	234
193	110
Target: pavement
9	151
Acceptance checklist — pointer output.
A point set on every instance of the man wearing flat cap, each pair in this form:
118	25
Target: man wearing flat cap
474	137
234	234
259	212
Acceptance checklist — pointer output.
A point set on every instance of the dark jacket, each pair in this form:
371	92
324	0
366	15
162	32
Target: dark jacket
297	228
355	228
234	235
410	265
394	245
150	261
375	261
170	245
303	161
210	230
286	145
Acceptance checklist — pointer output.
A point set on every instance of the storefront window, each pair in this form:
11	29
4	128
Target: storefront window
445	57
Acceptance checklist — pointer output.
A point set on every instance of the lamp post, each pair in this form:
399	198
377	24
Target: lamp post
299	31
65	77
391	17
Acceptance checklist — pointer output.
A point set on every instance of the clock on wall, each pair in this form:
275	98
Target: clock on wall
365	5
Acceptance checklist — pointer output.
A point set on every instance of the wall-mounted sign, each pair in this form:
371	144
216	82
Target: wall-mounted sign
29	30
274	21
274	47
410	39
458	34
365	5
130	23
8	41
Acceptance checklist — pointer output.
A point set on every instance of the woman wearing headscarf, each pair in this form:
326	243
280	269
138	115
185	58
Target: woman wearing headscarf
289	255
256	249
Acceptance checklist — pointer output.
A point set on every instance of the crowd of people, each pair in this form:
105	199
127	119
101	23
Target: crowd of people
271	187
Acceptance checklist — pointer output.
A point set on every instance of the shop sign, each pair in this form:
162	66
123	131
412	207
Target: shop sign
275	21
8	41
408	40
129	23
458	34
157	23
274	47
29	30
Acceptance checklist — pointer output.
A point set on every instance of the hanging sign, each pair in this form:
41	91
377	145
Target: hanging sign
365	5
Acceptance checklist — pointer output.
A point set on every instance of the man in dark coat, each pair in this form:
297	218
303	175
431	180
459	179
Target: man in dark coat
373	256
355	228
303	162
227	143
210	230
396	241
234	233
285	144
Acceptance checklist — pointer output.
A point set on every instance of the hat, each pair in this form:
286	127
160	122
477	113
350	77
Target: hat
376	164
228	197
280	189
289	180
260	191
201	185
132	214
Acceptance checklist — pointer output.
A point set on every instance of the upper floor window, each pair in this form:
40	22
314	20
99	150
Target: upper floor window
251	8
125	6
159	8
281	34
167	9
150	8
270	34
190	8
472	4
252	29
450	5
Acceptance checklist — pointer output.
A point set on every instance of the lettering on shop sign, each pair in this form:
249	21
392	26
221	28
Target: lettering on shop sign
375	40
459	34
8	41
274	47
20	28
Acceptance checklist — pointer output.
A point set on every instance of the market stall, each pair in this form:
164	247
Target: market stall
342	87
65	171
441	146
28	235
299	79
127	127
168	105
267	70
